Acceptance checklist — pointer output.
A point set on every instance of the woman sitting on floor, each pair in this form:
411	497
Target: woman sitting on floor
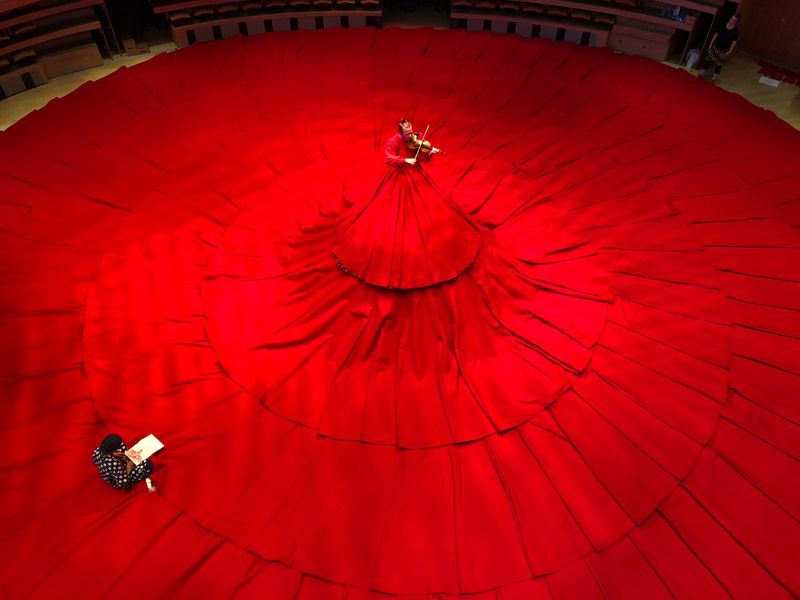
115	467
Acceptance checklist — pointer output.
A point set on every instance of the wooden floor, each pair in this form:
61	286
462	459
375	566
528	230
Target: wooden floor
15	107
739	76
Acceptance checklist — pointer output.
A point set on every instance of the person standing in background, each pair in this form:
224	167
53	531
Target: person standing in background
722	44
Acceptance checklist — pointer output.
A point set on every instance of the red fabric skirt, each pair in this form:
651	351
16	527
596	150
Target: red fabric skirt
603	405
407	235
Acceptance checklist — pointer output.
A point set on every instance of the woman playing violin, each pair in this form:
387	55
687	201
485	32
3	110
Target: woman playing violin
409	233
403	148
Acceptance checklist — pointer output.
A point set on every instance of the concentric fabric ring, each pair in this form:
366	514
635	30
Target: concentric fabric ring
450	363
627	334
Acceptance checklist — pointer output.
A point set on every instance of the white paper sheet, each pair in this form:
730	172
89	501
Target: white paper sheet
769	81
144	449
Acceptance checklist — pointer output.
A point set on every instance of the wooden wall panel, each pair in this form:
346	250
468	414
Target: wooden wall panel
771	30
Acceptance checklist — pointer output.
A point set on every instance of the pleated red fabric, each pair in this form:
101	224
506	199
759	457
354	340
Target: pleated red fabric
407	235
587	389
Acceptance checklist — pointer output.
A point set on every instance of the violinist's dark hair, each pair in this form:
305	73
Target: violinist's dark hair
111	443
403	124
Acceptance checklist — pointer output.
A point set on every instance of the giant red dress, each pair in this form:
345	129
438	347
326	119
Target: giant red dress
408	234
602	406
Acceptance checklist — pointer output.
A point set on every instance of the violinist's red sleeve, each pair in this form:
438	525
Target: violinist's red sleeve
396	151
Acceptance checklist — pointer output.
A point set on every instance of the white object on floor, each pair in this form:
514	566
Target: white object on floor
769	81
144	449
692	58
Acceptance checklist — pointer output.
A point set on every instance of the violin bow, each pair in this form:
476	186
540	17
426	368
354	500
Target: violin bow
422	141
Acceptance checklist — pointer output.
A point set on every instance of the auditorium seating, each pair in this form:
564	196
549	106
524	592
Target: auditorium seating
199	20
39	41
531	19
645	27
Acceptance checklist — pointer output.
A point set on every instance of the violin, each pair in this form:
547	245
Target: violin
421	145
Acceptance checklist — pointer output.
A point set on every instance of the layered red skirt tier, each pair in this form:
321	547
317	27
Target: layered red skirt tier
596	399
406	235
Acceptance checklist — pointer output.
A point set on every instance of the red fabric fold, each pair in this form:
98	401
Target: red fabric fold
407	235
